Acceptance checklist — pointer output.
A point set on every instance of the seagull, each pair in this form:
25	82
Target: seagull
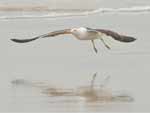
84	33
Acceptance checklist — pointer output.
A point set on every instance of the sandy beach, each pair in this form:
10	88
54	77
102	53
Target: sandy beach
66	62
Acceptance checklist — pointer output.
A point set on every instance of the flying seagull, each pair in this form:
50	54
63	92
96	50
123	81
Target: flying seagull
84	33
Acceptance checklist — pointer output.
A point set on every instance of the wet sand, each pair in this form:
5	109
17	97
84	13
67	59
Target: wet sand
91	95
69	63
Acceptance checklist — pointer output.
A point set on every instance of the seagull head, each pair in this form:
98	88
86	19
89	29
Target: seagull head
79	30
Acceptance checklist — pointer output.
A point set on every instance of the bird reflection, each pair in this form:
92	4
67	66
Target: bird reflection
89	93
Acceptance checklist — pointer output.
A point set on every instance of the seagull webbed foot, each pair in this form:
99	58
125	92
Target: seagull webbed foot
95	49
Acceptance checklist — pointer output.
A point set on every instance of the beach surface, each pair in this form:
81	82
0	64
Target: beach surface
66	63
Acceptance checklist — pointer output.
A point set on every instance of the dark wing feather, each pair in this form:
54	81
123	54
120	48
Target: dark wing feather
117	36
51	34
23	40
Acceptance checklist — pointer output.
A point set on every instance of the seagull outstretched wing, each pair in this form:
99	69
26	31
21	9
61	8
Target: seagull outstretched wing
51	34
116	36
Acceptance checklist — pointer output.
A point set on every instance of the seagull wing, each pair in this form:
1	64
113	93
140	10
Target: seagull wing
51	34
116	36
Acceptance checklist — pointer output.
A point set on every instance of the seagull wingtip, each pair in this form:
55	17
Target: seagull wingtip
14	40
17	40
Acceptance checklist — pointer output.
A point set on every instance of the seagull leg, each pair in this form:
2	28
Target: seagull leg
94	46
104	43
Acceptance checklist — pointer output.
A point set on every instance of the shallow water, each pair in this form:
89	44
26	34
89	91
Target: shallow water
52	8
78	99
